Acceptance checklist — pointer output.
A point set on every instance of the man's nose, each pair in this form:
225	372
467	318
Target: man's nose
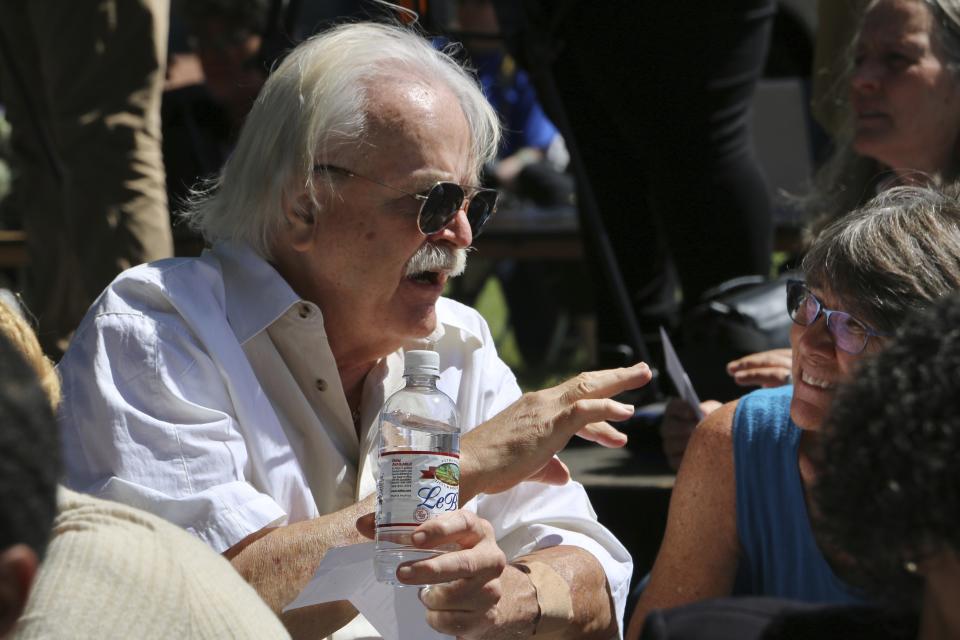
458	232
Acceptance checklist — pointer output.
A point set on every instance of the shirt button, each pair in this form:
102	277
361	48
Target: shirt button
305	311
321	384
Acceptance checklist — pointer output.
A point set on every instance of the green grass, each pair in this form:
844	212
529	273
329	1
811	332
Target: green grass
492	305
777	260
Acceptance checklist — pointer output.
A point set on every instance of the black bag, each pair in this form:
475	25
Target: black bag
736	318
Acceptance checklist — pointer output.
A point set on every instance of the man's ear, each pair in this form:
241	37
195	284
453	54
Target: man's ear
300	215
18	566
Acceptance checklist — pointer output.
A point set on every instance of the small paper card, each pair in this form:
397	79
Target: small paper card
679	377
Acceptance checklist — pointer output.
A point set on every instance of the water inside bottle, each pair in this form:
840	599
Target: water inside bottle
401	431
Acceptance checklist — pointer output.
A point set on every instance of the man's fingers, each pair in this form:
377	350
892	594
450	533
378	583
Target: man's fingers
459	527
603	434
604	383
460	623
483	562
462	595
588	419
518	442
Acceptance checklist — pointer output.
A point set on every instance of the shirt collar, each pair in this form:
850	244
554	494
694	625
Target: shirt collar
452	322
256	295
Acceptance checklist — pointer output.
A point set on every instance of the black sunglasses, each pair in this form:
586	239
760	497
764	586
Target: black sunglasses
439	206
849	334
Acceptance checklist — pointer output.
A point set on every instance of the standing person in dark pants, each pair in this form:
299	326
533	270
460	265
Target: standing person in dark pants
81	86
656	97
530	171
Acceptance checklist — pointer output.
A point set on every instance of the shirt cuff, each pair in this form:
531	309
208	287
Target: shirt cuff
226	528
221	515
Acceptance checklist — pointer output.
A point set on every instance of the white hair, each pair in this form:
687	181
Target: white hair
312	106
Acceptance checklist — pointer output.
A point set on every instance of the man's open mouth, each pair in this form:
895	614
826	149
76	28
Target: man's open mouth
426	277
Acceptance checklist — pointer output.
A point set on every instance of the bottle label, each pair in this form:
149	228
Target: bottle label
415	486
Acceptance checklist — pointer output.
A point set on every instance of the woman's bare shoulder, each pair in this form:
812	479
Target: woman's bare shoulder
715	431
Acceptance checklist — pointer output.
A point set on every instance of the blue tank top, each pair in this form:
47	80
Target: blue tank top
780	556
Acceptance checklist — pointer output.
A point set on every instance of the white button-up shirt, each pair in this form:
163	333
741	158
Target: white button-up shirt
204	390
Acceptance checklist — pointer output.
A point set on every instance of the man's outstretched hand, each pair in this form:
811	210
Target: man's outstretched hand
521	441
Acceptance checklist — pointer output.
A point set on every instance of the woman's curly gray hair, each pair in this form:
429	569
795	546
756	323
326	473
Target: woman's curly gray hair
897	253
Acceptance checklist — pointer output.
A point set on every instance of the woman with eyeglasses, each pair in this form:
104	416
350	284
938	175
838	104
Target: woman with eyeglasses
739	518
898	112
897	102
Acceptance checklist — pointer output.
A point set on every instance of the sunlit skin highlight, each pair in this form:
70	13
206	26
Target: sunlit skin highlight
351	261
819	366
905	101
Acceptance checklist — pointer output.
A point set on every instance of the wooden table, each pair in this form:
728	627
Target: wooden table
532	234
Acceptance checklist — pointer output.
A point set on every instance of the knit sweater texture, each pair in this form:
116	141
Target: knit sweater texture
112	571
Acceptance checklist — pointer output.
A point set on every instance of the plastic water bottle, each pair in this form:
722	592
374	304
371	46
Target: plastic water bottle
419	463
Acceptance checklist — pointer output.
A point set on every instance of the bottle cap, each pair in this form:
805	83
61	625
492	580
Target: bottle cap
421	362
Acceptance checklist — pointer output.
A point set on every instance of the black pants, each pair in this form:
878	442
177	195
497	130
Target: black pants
657	96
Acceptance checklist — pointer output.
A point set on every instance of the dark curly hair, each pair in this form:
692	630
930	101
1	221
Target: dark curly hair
888	487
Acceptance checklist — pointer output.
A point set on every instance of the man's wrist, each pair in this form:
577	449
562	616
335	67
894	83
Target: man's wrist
554	604
523	599
471	474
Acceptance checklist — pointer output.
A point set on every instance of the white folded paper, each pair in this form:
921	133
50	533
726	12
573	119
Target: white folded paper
346	573
680	378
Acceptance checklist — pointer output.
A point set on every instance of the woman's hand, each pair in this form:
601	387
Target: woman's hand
764	369
679	421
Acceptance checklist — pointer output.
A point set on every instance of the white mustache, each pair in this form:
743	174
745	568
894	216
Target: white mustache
435	257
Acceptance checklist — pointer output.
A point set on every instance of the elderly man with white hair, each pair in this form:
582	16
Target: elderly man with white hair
236	394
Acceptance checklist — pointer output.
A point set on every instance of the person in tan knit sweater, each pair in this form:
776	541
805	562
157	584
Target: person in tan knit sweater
108	570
